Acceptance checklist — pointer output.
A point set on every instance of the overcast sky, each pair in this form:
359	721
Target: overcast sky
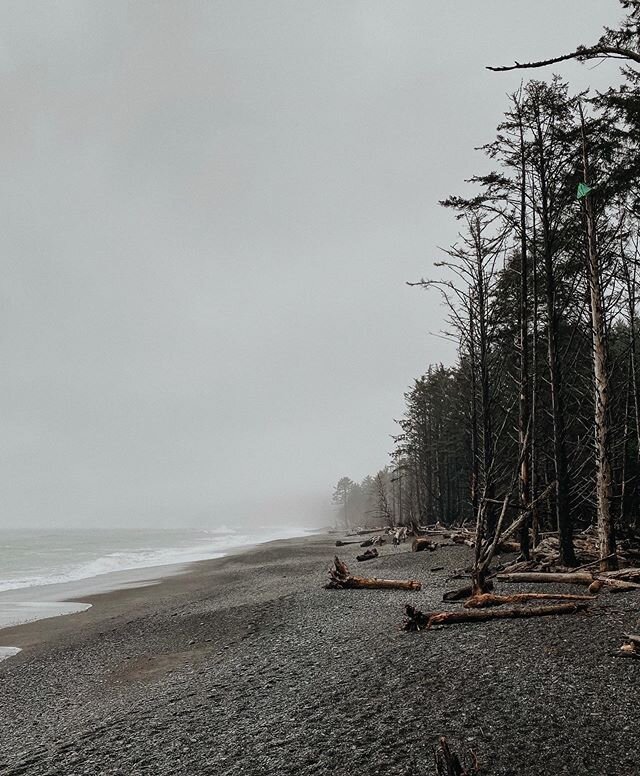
210	210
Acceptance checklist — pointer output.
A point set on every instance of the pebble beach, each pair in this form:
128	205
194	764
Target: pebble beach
247	666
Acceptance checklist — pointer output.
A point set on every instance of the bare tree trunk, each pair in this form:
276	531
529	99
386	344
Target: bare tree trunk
535	513
523	408
562	502
485	389
604	476
475	460
630	281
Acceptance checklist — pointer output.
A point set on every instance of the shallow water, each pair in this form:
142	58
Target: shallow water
18	612
41	573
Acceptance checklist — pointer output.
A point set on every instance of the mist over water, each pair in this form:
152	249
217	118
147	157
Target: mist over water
32	558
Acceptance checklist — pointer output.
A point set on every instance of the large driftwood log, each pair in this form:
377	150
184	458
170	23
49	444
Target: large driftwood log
417	620
575	578
485	600
627	575
341	543
340	577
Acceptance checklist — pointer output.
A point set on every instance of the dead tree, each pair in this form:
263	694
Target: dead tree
544	105
604	475
524	410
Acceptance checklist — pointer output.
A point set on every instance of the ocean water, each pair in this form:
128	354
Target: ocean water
35	558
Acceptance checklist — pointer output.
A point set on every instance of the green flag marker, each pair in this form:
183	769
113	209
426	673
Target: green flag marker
583	190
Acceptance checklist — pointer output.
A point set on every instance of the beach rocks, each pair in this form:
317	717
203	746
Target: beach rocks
322	683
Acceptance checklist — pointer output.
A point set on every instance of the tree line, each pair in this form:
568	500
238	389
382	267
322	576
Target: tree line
538	420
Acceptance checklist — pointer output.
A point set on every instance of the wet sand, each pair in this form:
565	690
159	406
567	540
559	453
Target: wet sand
246	665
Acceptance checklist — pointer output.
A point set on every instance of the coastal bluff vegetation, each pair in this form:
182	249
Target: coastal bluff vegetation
535	430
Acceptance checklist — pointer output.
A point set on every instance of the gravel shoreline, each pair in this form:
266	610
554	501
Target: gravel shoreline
246	666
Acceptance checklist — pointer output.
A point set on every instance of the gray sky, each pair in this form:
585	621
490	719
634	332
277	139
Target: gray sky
210	210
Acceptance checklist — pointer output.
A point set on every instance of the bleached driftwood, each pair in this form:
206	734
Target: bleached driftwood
340	577
485	600
416	620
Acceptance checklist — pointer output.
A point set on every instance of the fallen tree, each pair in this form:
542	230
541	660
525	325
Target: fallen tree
341	578
416	620
369	554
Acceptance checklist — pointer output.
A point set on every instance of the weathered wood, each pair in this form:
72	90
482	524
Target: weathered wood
416	620
421	543
341	578
488	599
369	554
463	592
631	647
465	539
507	546
627	575
576	578
341	543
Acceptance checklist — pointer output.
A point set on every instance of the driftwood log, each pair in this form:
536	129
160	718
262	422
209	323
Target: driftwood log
416	620
571	578
341	543
340	577
485	600
369	554
463	592
421	543
463	539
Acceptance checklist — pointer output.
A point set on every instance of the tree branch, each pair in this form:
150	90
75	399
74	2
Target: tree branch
582	54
